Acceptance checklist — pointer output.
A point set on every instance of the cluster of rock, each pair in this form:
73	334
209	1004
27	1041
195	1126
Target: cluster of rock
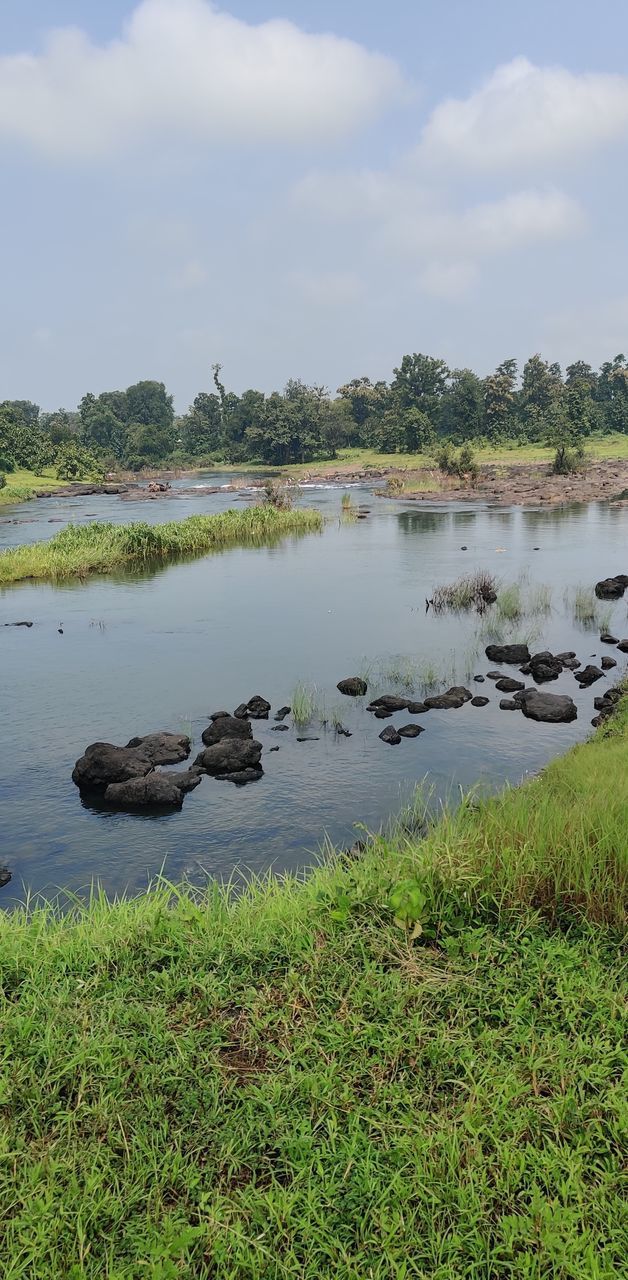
612	588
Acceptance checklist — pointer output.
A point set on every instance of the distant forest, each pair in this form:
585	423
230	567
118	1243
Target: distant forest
424	405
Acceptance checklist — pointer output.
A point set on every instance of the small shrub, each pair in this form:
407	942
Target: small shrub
277	495
3	480
462	464
476	590
394	486
6	463
568	461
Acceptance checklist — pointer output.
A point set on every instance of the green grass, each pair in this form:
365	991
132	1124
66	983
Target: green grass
308	704
281	1084
587	611
597	448
78	551
21	485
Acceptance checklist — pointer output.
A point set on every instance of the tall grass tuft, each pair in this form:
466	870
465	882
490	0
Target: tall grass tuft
78	551
473	591
586	610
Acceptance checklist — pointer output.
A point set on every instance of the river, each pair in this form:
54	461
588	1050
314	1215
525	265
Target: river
127	654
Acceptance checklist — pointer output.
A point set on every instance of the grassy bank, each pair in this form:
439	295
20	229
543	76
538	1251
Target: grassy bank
597	449
77	551
285	1084
21	485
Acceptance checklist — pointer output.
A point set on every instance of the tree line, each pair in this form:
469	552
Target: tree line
425	404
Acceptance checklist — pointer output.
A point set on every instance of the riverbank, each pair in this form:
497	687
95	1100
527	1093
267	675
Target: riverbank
22	486
409	1064
79	551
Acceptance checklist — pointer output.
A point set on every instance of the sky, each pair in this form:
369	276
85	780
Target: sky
306	190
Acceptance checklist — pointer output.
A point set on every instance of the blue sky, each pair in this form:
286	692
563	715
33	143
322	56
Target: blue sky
306	190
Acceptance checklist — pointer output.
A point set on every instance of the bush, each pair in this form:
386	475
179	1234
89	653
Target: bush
394	485
3	480
567	461
277	495
6	464
462	464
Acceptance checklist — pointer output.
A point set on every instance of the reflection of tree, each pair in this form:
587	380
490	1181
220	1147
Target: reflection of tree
413	522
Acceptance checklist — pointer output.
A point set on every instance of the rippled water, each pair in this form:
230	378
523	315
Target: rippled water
165	650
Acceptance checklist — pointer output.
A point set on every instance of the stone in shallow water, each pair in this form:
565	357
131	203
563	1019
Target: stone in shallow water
388	702
163	748
507	685
410	730
353	687
479	702
156	790
390	735
452	699
509	704
588	676
509	653
551	708
226	727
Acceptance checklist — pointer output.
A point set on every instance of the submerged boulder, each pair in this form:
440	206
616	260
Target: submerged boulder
452	699
410	730
103	764
353	686
163	748
607	663
588	676
551	708
612	588
545	666
509	653
479	701
390	735
231	757
226	727
607	638
507	685
388	702
282	713
156	790
508	704
623	646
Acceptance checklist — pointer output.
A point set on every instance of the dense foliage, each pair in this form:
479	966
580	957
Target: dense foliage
424	405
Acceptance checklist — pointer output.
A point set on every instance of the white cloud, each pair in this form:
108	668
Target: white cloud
406	215
184	67
527	115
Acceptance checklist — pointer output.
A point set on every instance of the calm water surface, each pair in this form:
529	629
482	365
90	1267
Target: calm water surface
163	651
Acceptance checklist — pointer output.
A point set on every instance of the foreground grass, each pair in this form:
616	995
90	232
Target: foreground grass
78	551
21	485
283	1084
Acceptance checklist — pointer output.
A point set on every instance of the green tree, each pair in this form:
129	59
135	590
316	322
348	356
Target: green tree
148	403
419	383
462	407
499	400
612	393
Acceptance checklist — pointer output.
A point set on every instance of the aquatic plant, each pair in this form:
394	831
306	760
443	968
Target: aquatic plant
277	494
586	610
473	591
308	704
80	550
349	508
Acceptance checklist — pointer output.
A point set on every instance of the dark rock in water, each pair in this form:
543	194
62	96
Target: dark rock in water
525	669
104	763
257	708
571	664
567	656
479	702
308	738
220	715
607	638
409	730
230	756
163	748
607	663
479	679
390	735
241	777
156	790
241	712
507	685
551	708
382	713
611	588
511	654
17	624
282	713
5	876
493	675
452	699
280	728
623	646
390	702
544	667
509	704
588	676
186	780
416	708
508	653
271	749
341	732
353	686
226	727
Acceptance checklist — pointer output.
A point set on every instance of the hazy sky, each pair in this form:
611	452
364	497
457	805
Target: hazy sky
307	189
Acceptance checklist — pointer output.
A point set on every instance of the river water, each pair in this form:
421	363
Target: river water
163	650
